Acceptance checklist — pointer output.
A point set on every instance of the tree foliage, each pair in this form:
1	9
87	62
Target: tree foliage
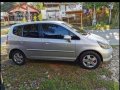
40	17
6	6
24	19
39	6
97	4
115	15
35	18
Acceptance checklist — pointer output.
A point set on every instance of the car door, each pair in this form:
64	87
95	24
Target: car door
32	41
54	44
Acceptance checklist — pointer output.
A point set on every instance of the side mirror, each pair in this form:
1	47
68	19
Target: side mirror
67	37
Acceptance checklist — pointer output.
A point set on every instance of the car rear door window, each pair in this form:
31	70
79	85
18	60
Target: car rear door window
31	31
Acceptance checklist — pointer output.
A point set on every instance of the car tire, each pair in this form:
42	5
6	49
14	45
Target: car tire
89	60
18	57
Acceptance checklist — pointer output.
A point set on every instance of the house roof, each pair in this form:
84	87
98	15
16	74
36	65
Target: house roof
23	8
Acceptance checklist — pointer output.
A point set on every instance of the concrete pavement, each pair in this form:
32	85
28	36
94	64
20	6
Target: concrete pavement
3	39
111	35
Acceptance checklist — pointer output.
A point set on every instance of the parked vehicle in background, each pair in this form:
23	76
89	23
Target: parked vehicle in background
56	40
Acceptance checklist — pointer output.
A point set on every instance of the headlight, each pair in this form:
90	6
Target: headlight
103	45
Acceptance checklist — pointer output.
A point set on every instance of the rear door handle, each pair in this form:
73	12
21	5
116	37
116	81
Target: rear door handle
21	42
47	43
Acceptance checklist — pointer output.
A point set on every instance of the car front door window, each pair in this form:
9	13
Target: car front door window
53	31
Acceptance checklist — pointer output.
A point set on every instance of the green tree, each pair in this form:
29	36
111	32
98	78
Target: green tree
96	6
35	18
6	6
40	17
115	15
39	6
24	19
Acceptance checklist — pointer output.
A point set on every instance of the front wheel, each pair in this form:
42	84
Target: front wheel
89	60
18	57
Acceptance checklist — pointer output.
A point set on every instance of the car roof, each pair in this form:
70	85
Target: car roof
34	22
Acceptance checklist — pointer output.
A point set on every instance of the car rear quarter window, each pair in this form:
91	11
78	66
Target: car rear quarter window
17	30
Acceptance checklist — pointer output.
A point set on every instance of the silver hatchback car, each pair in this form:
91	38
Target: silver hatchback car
56	40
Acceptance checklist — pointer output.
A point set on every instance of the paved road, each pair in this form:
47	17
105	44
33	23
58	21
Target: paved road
5	27
111	35
3	39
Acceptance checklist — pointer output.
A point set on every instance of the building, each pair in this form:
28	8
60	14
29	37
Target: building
58	10
23	10
52	10
4	16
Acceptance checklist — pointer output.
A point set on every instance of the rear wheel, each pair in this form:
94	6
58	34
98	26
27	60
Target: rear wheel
89	60
18	57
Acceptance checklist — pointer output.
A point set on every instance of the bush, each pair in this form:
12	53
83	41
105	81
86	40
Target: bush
24	19
35	18
4	31
40	17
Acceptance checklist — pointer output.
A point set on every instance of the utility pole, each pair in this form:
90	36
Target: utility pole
111	7
94	16
28	12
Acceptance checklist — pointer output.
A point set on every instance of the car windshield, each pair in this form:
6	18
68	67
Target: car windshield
75	28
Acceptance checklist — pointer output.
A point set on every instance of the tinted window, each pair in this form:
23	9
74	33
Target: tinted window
31	30
57	32
54	31
74	37
17	30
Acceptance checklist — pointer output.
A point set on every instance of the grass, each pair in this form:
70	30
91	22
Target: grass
4	55
49	75
4	31
114	46
54	76
85	84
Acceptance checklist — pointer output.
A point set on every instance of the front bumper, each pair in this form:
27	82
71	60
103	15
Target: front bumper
107	54
107	59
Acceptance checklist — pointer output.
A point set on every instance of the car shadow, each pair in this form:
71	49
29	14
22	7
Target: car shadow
30	61
48	62
53	62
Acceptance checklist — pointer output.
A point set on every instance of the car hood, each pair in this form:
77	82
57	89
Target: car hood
96	37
